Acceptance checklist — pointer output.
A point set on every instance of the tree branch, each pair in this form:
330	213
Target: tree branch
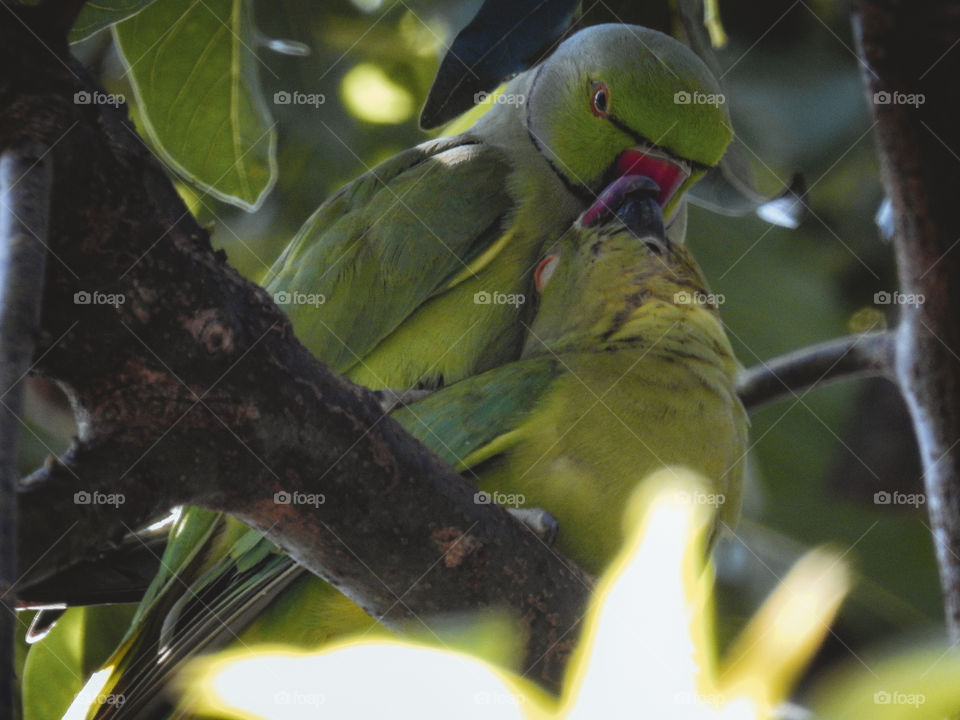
864	355
909	55
189	387
24	207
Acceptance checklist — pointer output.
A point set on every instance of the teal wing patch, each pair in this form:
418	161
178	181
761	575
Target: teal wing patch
460	419
379	248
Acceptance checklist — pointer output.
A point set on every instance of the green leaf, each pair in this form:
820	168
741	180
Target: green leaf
102	14
194	74
58	666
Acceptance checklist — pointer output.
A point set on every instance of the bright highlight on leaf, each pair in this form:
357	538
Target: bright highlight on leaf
372	679
372	96
647	645
89	695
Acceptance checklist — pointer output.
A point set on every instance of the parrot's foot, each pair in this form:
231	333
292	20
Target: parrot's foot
390	400
539	521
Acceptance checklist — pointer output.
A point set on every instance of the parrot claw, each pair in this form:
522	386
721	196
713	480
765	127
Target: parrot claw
539	521
390	400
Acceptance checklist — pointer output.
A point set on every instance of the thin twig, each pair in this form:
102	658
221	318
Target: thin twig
864	355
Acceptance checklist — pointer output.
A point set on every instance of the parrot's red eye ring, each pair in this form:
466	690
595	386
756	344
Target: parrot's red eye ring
600	100
545	268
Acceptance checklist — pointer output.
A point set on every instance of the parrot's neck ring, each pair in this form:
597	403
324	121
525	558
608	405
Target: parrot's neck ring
578	190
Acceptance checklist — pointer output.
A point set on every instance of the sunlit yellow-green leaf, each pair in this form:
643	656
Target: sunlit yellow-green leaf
193	66
918	683
782	637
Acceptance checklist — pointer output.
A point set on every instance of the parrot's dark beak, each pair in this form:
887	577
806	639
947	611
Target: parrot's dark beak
641	212
634	200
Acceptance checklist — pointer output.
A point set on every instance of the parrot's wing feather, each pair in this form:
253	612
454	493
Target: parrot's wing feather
470	421
387	242
189	612
205	621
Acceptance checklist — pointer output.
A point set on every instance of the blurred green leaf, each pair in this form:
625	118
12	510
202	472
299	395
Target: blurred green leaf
194	73
102	14
909	683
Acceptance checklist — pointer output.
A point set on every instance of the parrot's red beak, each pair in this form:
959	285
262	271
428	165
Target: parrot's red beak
666	173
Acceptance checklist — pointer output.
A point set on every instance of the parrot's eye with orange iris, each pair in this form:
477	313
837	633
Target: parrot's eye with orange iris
600	100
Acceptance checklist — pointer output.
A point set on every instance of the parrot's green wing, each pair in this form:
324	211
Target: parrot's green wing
387	242
472	420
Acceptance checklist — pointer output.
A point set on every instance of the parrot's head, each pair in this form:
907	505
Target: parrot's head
617	100
612	271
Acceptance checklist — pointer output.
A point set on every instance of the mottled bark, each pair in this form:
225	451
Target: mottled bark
911	61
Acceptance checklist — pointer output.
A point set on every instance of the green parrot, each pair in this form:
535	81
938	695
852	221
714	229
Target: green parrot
626	369
394	281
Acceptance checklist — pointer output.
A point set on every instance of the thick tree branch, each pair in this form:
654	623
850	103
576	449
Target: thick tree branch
24	206
189	387
911	63
865	355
